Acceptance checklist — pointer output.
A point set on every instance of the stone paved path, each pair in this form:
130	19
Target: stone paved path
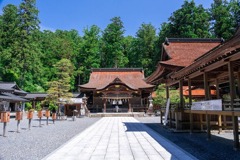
122	138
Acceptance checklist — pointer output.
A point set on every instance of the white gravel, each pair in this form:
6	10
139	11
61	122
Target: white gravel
38	142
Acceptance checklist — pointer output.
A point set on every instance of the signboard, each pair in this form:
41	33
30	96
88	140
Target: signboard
211	105
167	111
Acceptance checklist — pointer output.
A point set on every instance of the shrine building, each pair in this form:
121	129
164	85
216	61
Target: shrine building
117	90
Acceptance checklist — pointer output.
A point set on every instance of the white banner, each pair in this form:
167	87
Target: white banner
211	105
166	112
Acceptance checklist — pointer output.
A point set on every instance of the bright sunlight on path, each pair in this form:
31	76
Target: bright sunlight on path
121	138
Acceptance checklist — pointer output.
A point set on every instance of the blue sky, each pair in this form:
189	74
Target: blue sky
79	14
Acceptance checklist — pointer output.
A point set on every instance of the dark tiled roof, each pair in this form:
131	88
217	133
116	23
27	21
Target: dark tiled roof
101	78
11	87
12	97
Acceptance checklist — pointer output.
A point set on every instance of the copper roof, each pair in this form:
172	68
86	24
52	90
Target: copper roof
101	78
183	53
228	48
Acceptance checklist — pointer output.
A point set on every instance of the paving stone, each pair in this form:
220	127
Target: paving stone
114	142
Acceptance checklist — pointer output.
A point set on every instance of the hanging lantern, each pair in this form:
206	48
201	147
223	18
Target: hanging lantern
120	102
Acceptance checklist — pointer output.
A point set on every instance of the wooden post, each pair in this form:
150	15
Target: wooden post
238	83
129	106
208	126
235	132
181	93
104	105
219	124
201	121
233	96
161	116
190	104
206	86
217	89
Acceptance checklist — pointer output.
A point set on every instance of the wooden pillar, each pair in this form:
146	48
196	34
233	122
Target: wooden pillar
219	116
217	89
208	126
104	106
238	83
206	86
167	92
233	96
231	84
129	106
190	104
161	113
201	121
181	93
219	124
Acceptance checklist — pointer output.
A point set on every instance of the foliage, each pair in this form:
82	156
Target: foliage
53	107
89	56
27	54
38	107
28	106
144	48
59	88
112	45
224	16
161	96
190	21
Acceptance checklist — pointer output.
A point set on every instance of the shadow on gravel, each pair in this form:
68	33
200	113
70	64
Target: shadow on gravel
196	144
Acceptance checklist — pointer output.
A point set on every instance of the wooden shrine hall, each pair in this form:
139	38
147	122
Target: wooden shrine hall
117	90
218	67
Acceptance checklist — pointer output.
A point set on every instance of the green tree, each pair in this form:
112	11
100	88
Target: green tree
59	88
128	45
27	49
112	45
190	21
144	48
57	45
161	99
224	16
89	56
9	35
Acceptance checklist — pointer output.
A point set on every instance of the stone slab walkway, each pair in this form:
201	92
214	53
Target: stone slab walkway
122	138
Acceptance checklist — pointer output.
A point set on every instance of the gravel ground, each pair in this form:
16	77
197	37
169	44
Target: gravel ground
220	147
38	142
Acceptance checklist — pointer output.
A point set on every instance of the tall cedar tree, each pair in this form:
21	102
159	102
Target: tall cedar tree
27	50
190	21
89	56
112	45
9	37
145	48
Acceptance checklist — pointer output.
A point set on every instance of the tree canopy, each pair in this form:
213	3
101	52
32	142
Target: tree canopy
28	55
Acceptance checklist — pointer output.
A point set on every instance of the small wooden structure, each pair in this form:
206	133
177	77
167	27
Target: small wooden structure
117	90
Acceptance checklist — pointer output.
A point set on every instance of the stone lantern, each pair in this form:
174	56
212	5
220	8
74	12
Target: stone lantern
18	117
4	117
150	107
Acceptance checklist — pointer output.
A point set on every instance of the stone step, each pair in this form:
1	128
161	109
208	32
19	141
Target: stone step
132	114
